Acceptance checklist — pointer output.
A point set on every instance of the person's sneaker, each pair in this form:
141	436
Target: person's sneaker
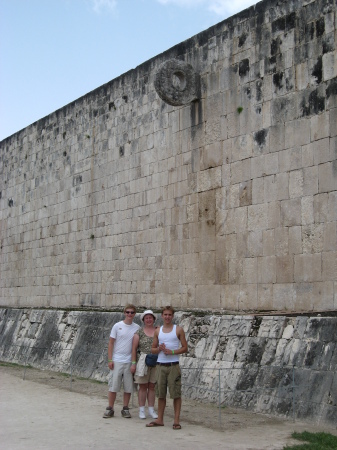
142	415
126	413
153	414
109	412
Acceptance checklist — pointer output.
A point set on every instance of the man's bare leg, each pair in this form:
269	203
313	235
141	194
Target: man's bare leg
177	409
112	398
126	399
161	409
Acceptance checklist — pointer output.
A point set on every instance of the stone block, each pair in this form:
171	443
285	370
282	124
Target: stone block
323	296
257	190
307	268
332	206
290	159
327	177
266	269
297	132
330	236
312	238
329	265
289	212
254	244
333	122
208	296
321	151
257	217
268	237
296	183
265	297
240	171
321	211
319	126
307	209
249	270
242	147
329	66
277	137
211	156
285	269
284	296
209	179
271	164
310	180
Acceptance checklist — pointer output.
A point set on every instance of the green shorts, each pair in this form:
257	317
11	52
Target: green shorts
168	377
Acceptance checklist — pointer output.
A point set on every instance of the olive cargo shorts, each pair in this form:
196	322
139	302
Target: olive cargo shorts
168	377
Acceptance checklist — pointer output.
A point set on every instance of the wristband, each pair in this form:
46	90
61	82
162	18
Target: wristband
134	362
172	352
109	360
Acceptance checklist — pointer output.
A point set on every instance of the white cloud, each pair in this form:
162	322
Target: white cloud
228	8
223	8
102	5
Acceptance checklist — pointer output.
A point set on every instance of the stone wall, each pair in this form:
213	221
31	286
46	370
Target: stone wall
204	178
286	366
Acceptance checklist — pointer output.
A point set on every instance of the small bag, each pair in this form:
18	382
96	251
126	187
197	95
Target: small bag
151	360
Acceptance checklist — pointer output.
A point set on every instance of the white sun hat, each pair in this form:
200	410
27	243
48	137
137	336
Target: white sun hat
148	311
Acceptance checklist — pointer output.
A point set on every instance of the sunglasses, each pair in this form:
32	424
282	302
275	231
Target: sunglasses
129	312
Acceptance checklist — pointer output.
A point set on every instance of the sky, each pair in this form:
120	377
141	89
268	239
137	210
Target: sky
54	51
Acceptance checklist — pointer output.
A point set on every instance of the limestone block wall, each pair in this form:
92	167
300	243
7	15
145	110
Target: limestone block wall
224	199
286	366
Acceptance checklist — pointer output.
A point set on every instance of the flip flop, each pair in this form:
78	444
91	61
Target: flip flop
154	424
176	426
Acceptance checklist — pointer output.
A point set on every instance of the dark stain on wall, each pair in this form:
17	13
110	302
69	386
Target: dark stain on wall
314	105
278	80
332	88
260	137
318	70
243	67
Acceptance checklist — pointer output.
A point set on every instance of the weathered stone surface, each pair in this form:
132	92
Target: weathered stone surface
205	178
277	365
177	83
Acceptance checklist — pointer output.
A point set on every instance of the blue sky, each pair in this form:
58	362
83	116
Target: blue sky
54	51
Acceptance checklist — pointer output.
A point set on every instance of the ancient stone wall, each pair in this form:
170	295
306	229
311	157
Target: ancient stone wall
204	178
285	366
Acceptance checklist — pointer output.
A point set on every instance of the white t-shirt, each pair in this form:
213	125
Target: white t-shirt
123	335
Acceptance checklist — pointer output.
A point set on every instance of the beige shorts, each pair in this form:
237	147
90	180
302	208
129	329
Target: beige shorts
168	377
121	372
150	377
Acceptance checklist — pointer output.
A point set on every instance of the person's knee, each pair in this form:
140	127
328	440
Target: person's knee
151	386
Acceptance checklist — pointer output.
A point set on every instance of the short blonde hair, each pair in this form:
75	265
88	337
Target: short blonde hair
167	308
130	306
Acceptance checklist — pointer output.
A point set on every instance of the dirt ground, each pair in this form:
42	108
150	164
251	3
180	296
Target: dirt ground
238	426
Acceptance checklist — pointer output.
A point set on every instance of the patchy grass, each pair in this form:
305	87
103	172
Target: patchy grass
8	364
314	441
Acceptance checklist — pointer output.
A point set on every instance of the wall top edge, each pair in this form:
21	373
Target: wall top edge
177	51
195	312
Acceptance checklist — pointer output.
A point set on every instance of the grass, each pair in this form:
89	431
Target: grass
314	441
8	364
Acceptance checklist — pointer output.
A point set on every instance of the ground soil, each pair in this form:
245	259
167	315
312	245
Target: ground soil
235	424
194	412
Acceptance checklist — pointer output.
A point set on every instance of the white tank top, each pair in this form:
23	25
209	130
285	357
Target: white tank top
172	342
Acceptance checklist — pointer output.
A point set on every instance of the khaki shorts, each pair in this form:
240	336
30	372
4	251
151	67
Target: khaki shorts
168	377
150	377
121	372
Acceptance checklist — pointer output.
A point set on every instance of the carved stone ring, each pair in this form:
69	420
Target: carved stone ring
177	83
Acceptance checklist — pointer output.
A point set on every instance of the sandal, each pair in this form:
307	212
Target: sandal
176	426
154	424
